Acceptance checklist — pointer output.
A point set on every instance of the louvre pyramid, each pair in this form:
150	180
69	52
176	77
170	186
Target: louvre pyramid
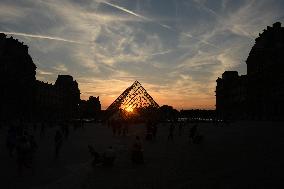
133	97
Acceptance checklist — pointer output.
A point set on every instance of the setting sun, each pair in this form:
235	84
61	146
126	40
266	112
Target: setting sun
129	109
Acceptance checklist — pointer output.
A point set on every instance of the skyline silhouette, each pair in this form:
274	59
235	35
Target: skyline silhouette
258	95
182	45
75	112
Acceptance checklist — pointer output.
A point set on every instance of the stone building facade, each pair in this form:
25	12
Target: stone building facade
90	108
259	95
17	79
69	96
231	95
58	101
22	97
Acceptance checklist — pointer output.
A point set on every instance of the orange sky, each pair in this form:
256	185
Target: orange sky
175	50
178	101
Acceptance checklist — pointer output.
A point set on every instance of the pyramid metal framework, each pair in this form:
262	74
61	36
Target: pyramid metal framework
133	97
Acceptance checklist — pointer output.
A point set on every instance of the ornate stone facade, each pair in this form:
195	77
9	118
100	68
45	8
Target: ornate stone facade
259	95
23	97
58	101
17	79
90	108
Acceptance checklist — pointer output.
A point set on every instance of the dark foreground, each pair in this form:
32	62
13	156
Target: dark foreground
240	155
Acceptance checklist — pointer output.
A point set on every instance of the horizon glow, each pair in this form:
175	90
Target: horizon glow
175	48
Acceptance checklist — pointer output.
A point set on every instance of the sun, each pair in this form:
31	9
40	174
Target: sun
129	109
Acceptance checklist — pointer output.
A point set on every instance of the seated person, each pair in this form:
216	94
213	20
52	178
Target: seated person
109	156
96	156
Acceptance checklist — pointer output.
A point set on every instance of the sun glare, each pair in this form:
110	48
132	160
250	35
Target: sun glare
129	109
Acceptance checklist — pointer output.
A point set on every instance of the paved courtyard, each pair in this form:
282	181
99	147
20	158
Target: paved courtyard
239	155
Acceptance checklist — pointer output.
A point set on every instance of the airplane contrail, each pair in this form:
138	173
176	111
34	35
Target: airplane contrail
135	14
219	18
160	24
42	37
162	53
125	10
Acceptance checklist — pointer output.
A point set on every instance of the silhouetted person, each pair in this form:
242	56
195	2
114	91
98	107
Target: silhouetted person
33	143
34	126
227	121
154	130
137	151
23	154
42	130
113	126
109	157
77	124
65	129
118	127
149	132
81	125
192	132
33	149
125	128
215	122
58	139
20	129
171	132
11	140
95	155
108	123
180	128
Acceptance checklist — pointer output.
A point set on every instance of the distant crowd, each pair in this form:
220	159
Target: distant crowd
21	140
22	145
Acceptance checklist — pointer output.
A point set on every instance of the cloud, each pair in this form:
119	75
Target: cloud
60	68
176	52
10	13
41	37
42	72
125	10
159	23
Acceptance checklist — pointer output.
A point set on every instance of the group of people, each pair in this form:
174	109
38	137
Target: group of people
22	144
194	135
137	156
108	157
119	127
151	130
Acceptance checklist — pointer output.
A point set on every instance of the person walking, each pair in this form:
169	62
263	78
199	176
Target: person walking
11	140
192	133
23	154
32	151
154	130
180	128
42	130
171	132
58	139
95	155
137	152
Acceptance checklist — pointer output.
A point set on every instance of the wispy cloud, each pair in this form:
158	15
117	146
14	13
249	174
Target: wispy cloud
157	22
42	72
60	68
42	37
175	49
125	10
137	15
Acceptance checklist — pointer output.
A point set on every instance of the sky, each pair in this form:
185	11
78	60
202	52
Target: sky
175	48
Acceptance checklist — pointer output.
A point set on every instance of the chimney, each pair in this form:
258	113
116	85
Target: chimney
277	25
